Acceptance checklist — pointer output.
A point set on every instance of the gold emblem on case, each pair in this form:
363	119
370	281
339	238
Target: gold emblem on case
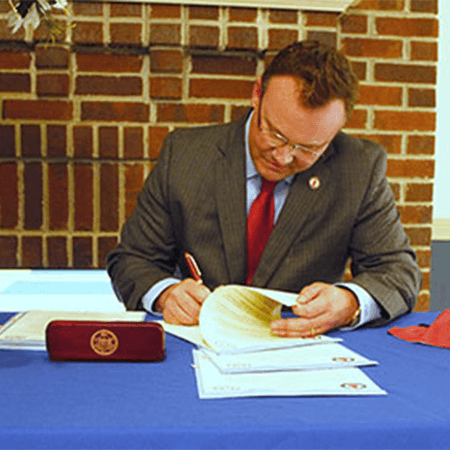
104	342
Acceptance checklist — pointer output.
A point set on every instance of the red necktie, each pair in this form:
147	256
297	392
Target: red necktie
259	225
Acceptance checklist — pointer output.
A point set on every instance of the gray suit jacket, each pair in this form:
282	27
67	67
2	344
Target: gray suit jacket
195	200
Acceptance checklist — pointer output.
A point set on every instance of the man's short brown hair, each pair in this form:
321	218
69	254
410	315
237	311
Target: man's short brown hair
326	73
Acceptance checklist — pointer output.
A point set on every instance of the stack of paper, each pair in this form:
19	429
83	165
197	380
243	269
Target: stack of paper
237	355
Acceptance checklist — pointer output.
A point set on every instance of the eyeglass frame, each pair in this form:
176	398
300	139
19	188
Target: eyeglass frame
294	148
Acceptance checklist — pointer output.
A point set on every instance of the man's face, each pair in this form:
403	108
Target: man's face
287	137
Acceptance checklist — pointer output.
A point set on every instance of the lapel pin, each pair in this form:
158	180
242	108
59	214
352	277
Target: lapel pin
314	183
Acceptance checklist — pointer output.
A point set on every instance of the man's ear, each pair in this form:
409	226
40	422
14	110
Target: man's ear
256	93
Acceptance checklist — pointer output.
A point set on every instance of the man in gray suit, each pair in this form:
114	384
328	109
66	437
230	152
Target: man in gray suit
332	204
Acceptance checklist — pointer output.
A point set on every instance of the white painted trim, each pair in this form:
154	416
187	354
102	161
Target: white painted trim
441	230
316	5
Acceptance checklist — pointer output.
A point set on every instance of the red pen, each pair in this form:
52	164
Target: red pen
193	267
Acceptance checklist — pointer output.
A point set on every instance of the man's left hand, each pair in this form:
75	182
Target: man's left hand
321	307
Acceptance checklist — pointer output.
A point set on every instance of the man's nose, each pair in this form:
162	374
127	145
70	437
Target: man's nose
283	155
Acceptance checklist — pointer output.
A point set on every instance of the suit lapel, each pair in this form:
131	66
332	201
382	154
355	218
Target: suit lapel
231	201
302	202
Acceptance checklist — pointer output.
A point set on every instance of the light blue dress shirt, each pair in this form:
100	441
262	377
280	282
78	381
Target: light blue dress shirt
369	308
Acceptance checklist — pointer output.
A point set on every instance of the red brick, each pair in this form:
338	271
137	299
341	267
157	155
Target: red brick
164	61
405	120
133	144
52	85
105	245
204	12
87	8
375	48
7	141
193	113
82	141
113	63
165	11
8	250
204	36
56	141
33	196
165	87
423	258
32	252
100	85
223	88
165	34
224	64
407	73
419	192
87	33
381	5
82	253
422	98
8	195
415	214
134	179
238	111
424	6
84	207
126	33
57	252
279	38
320	19
10	59
424	51
6	35
38	109
52	57
359	67
15	82
125	10
419	235
115	111
358	119
395	187
420	145
58	196
283	16
422	302
354	24
31	140
391	142
411	168
380	95
108	142
242	14
156	137
407	27
109	197
242	38
326	37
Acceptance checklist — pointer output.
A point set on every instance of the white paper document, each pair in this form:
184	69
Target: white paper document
308	357
211	383
26	331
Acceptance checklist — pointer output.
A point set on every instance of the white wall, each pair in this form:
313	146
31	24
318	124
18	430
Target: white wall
441	205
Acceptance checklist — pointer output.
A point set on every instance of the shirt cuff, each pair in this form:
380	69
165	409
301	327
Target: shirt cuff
369	307
150	297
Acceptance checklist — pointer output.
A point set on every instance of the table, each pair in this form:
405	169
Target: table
155	405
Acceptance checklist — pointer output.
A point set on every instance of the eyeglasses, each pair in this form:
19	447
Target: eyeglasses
277	140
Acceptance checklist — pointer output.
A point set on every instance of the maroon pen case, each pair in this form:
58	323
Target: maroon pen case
73	340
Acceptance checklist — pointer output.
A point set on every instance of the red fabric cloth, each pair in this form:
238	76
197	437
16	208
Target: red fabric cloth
259	225
437	334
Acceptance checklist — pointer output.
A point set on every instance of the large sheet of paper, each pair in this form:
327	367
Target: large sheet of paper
26	331
310	357
211	383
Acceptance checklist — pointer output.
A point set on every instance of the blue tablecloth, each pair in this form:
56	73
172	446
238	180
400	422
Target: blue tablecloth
155	405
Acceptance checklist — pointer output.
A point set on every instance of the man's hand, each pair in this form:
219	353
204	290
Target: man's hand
181	303
321	307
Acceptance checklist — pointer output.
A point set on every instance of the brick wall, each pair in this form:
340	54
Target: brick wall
83	120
